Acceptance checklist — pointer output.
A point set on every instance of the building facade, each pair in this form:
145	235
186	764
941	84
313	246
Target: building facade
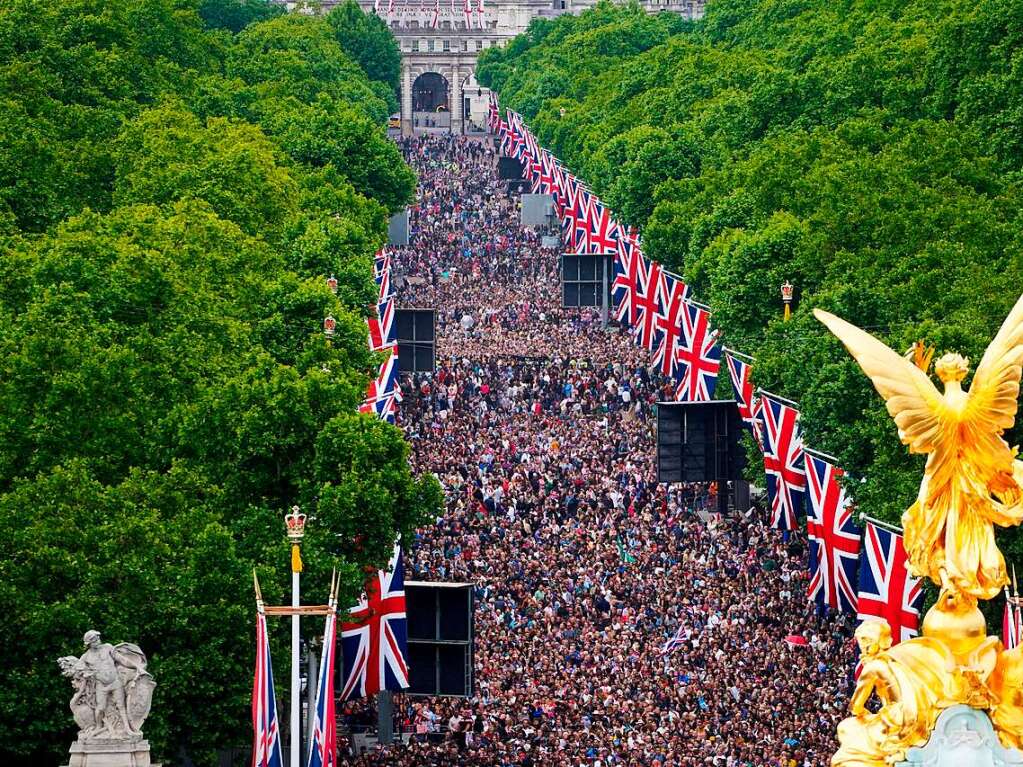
440	40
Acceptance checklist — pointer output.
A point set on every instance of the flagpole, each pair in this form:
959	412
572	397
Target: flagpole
295	524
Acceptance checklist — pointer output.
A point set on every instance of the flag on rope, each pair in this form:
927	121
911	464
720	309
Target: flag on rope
699	356
383	393
323	745
783	460
266	732
834	537
374	639
669	324
600	229
435	20
648	302
480	14
887	590
383	281
381	326
739	371
625	285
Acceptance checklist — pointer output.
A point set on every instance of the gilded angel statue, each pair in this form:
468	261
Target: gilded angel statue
972	480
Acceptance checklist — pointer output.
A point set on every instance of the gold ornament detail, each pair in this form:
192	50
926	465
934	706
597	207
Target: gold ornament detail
972	481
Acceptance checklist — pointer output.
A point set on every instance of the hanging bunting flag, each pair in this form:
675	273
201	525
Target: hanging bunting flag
384	393
625	286
670	326
374	639
834	537
266	731
783	460
648	303
323	748
887	590
381	327
699	356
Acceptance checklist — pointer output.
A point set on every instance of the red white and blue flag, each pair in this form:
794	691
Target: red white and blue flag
381	327
580	219
834	537
381	262
647	300
1012	624
670	325
740	369
266	731
383	393
600	236
323	747
783	460
383	281
374	640
699	356
887	590
625	286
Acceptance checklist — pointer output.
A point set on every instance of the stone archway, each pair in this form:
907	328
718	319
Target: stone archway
431	105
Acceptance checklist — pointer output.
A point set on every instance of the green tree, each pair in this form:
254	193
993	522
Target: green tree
366	38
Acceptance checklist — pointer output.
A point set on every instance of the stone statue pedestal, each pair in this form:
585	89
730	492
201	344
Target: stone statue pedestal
963	737
110	753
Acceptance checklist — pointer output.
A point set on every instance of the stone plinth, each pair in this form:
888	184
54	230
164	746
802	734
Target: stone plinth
112	753
963	737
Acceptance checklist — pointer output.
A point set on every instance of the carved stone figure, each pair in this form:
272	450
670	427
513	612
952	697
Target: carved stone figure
113	694
113	690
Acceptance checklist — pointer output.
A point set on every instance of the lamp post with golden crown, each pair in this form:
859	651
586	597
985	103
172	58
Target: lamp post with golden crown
786	296
294	523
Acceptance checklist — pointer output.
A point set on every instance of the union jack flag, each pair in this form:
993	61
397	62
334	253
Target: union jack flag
383	281
374	640
384	394
323	745
581	219
381	327
1012	624
783	460
493	113
739	371
381	262
887	590
647	301
675	642
625	286
699	356
600	230
669	323
266	740
834	537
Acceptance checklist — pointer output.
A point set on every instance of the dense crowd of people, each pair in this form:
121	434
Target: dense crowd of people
539	424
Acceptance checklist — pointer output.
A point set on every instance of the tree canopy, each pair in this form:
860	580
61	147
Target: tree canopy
868	151
176	183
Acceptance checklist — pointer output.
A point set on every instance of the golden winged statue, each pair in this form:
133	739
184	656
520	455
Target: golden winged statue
972	480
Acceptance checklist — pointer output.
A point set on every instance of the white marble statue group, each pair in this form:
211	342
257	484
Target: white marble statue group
113	690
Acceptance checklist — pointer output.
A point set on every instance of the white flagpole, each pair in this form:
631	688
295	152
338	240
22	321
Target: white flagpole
295	524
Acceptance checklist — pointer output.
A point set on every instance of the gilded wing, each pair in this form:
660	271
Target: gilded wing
913	401
995	388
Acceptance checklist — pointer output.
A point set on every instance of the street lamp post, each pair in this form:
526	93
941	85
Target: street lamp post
295	525
787	289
